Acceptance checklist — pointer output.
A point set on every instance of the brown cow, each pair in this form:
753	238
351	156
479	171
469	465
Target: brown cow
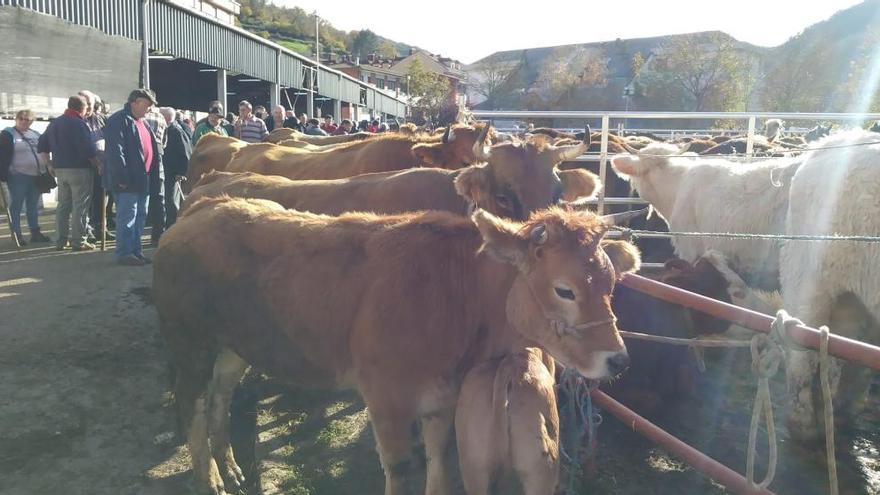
517	180
507	424
382	154
278	135
399	308
212	152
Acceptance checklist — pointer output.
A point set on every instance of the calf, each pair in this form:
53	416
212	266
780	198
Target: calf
507	425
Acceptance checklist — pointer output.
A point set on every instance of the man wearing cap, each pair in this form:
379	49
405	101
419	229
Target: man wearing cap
131	152
213	123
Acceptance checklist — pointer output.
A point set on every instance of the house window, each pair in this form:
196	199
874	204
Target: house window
380	83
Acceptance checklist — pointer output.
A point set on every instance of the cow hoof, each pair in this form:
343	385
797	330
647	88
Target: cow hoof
213	485
234	478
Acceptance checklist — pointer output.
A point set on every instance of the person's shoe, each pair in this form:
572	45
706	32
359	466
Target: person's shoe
143	258
130	260
37	236
85	246
61	244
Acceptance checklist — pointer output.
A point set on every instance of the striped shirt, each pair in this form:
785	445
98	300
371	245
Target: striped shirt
252	130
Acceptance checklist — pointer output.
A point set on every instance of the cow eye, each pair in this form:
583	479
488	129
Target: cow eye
564	293
502	201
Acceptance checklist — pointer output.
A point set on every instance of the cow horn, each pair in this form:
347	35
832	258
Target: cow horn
629	149
539	235
481	149
448	135
619	218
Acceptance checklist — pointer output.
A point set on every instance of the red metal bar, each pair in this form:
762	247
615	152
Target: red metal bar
842	347
701	462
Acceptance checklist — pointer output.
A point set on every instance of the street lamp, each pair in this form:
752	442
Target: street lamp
628	92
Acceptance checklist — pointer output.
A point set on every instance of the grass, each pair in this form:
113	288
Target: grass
297	46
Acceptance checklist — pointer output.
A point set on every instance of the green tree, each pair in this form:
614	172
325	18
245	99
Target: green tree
363	43
428	91
387	50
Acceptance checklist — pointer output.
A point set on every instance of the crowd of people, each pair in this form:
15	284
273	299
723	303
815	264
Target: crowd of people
132	161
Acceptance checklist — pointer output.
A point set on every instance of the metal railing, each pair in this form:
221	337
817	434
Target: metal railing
606	117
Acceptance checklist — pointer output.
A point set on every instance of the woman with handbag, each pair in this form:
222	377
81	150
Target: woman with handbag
21	169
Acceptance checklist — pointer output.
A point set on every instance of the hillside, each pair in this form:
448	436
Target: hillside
294	28
821	69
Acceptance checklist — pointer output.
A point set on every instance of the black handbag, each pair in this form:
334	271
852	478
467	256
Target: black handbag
44	182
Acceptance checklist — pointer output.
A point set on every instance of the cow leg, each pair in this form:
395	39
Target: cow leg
191	396
851	319
436	432
228	370
393	430
802	369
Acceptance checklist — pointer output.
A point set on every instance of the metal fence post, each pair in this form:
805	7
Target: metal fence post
750	137
603	158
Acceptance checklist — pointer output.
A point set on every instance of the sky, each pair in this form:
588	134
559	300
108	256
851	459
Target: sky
471	30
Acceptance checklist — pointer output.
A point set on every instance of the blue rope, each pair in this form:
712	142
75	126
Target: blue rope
582	420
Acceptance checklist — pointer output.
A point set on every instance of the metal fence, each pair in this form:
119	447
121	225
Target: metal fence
605	118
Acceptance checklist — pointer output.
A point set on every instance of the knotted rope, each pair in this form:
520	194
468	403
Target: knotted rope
583	420
768	351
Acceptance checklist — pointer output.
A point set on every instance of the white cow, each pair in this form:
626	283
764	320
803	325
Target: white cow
835	191
825	191
716	195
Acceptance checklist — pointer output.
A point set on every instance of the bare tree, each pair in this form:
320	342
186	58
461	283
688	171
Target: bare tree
568	68
704	69
492	80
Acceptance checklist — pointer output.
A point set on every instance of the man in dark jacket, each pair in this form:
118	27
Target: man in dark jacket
74	155
178	149
131	152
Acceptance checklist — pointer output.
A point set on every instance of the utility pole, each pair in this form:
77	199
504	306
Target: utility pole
317	40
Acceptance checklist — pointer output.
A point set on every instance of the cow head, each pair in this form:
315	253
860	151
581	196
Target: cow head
654	172
561	297
457	148
520	178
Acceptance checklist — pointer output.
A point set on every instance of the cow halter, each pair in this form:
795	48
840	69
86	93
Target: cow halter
562	327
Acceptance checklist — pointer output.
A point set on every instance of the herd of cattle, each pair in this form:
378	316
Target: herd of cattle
446	277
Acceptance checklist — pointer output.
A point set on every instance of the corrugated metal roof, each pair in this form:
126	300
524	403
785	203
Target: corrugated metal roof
184	33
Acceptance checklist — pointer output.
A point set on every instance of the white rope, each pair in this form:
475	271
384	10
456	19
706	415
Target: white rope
824	364
766	356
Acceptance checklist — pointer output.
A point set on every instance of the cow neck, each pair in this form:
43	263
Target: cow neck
496	280
470	206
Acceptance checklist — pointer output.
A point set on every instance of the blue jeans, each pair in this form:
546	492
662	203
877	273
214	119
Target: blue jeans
23	191
131	215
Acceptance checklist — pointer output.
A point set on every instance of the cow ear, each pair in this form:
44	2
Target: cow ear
429	154
627	166
500	239
472	183
624	256
579	183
